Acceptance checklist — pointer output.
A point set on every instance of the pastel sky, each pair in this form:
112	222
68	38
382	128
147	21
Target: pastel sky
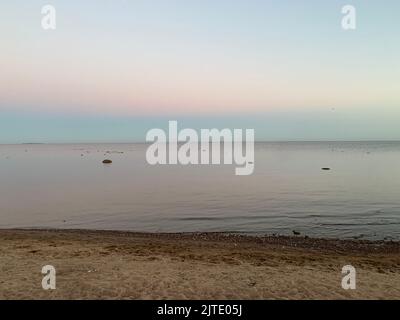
114	69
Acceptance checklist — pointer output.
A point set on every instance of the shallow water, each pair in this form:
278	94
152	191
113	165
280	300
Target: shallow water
67	186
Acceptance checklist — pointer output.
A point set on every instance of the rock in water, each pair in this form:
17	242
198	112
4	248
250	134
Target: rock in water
326	169
107	161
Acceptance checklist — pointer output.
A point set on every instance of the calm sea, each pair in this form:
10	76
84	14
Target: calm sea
67	186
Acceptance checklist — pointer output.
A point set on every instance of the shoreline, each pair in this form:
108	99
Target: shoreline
299	241
130	265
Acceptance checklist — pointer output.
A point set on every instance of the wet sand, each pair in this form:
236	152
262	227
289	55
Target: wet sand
123	265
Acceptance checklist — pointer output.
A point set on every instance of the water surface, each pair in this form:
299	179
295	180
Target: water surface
67	186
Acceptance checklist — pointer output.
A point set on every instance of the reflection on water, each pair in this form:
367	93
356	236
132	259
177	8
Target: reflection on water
67	186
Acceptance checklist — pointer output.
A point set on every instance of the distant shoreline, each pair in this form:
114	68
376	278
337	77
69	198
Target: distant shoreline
144	142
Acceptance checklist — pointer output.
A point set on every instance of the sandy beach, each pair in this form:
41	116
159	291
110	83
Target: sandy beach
122	265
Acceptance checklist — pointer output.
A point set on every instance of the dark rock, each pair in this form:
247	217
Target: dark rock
326	169
107	161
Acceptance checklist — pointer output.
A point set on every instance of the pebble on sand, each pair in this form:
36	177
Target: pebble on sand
107	161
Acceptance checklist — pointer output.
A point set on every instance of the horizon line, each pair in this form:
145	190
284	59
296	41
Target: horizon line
151	142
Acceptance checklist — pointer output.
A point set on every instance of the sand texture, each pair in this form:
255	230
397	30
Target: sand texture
122	265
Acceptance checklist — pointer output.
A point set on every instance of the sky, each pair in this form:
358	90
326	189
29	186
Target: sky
114	69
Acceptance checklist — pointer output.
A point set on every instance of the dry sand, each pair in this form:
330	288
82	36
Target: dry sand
115	265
